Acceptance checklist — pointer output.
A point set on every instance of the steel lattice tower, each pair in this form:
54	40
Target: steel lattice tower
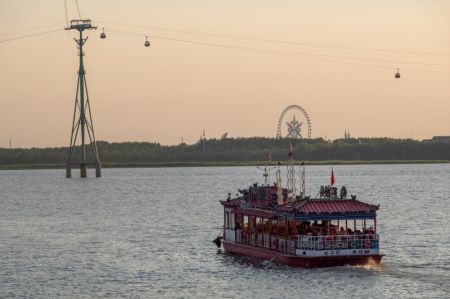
82	115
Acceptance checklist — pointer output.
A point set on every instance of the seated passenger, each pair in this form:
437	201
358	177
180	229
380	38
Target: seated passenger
237	226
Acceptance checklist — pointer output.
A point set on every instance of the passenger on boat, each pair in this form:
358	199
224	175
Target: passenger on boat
237	226
343	193
334	192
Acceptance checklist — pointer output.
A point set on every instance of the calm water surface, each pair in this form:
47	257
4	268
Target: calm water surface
146	233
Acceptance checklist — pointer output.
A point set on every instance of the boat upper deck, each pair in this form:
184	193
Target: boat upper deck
262	201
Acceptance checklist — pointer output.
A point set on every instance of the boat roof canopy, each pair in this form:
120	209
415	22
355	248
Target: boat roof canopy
325	209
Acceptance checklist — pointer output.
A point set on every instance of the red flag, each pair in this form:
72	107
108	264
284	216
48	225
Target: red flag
290	150
269	158
332	177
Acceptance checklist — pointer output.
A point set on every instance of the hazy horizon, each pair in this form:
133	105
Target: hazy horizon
229	66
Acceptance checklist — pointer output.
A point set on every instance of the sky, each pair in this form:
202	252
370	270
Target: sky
226	66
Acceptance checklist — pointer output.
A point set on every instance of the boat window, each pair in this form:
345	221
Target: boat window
266	226
237	221
227	220
282	226
229	223
259	225
363	226
251	224
274	227
245	226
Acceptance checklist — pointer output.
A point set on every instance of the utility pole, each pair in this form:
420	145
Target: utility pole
204	141
80	122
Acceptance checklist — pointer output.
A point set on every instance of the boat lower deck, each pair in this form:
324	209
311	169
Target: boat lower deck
301	261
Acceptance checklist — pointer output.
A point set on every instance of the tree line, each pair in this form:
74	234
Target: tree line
241	150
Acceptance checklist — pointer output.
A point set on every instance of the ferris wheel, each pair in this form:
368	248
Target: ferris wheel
294	127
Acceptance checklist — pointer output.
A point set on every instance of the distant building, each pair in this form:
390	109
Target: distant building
441	139
444	139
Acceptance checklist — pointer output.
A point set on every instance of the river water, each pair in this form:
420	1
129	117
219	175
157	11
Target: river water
147	232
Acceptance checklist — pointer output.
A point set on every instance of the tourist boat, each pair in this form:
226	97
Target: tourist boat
272	223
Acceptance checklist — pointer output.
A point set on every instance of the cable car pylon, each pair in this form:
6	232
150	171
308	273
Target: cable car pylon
82	116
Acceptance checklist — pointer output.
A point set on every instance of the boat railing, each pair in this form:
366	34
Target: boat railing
305	242
330	242
266	241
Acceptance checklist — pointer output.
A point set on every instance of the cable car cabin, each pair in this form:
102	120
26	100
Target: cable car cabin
397	74
325	231
103	34
147	43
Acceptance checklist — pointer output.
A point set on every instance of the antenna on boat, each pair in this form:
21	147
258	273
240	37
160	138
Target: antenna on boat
266	169
266	173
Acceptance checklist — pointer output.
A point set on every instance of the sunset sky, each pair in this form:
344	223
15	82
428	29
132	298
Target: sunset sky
226	66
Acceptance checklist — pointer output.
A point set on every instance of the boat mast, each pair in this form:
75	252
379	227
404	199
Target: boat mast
302	180
291	174
280	199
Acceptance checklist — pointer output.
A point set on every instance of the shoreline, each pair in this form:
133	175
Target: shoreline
220	164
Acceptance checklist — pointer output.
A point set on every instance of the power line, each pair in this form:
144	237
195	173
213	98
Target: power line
275	41
29	35
273	52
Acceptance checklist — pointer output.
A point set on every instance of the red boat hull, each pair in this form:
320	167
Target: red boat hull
301	261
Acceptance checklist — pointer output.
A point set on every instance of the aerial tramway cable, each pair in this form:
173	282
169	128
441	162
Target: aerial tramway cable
78	8
32	29
299	55
349	57
65	12
274	41
29	35
272	52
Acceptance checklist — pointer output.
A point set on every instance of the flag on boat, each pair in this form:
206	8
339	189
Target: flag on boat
332	177
269	157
